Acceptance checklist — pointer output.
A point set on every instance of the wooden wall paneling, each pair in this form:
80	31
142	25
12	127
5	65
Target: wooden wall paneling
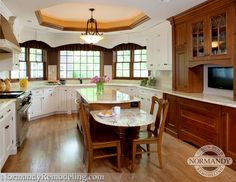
108	57
229	134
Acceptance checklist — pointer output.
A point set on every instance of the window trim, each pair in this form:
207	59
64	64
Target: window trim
131	67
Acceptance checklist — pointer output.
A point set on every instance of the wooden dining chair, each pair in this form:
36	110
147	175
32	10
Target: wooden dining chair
152	136
102	140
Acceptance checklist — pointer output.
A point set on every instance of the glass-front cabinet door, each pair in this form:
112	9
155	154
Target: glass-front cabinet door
198	39
218	34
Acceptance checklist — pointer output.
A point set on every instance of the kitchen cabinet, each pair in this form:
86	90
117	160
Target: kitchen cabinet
6	133
36	108
199	122
211	38
172	117
9	61
63	100
228	133
49	101
159	51
202	35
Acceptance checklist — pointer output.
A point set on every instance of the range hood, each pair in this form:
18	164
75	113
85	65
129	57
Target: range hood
8	42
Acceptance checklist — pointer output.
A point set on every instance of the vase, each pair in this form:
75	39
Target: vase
100	87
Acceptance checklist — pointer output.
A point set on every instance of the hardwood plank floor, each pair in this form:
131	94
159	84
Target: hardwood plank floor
54	145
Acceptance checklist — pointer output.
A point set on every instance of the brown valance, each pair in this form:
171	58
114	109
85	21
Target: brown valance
35	44
128	46
83	47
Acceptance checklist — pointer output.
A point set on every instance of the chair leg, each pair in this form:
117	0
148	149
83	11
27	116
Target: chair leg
90	161
133	156
159	154
118	157
148	150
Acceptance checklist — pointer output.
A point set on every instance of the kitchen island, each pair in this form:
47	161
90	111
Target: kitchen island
105	101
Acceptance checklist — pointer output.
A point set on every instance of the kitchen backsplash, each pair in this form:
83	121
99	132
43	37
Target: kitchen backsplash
4	74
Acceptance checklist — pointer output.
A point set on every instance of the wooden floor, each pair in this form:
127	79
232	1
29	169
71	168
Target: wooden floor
54	145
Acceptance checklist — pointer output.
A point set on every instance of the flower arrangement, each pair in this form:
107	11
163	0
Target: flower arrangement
100	82
98	79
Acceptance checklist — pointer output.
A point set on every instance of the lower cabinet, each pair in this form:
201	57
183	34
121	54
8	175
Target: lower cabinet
229	133
199	122
172	117
6	133
202	123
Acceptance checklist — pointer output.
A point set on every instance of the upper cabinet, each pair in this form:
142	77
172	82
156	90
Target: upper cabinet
209	38
203	35
159	48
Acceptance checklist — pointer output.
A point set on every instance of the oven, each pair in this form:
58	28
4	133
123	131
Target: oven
23	104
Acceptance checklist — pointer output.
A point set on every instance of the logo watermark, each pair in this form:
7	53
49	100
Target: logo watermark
209	165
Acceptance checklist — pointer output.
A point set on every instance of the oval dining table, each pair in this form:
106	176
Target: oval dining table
126	124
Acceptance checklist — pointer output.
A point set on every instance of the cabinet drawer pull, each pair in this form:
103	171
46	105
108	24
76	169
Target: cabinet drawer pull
7	127
1	117
9	110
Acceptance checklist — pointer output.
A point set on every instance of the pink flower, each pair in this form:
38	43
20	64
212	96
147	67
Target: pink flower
103	79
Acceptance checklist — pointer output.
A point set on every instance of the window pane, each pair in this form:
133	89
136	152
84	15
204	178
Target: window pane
32	57
62	74
143	65
137	73
90	59
136	66
76	66
119	73
40	66
126	58
22	74
76	59
126	73
76	74
96	67
137	58
96	60
22	66
83	59
15	74
63	52
90	67
62	66
69	59
34	66
69	74
125	66
120	59
63	59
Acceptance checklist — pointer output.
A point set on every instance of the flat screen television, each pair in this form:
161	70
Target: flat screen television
220	77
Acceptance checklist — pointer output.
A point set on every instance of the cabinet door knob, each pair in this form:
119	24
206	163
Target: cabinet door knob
7	127
1	117
9	110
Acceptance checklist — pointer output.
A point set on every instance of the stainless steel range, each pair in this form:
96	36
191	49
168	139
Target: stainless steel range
23	103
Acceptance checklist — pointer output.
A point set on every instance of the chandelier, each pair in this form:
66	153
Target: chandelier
91	35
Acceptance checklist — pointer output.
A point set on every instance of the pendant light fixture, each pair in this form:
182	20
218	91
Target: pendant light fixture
91	35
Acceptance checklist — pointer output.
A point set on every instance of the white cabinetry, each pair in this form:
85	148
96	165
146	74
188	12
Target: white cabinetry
159	49
49	101
6	133
145	96
36	108
63	97
9	61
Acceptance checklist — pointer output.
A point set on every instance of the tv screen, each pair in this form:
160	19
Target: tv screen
220	77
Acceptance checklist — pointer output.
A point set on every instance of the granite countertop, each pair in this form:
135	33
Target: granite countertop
109	96
127	118
5	102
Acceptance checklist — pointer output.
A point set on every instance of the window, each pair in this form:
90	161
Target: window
140	64
131	64
22	72
123	64
79	64
36	63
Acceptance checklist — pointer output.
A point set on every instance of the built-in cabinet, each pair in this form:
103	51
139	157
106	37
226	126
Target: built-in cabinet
159	52
202	123
9	61
7	133
201	36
